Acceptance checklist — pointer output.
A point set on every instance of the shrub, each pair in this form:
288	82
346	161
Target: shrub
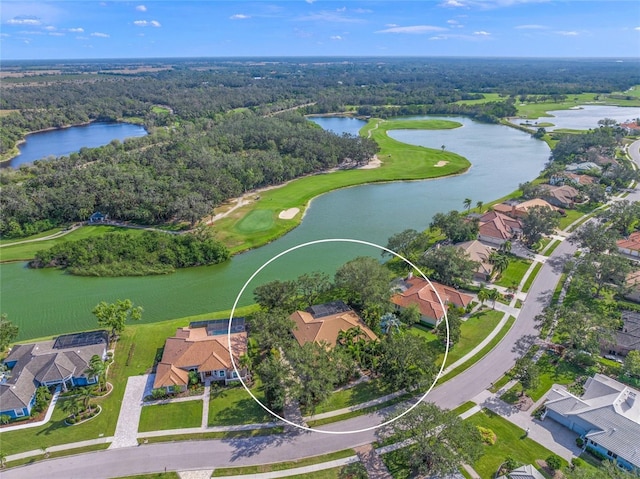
510	463
488	436
579	442
554	462
577	462
159	393
597	454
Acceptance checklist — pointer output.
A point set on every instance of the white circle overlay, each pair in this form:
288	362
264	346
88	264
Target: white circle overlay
337	240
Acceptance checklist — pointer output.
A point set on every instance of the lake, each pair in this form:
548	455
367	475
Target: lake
44	302
586	117
64	141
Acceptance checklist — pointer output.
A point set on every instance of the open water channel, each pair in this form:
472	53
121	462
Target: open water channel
44	302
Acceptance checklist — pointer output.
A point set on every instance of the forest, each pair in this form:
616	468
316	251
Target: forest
217	134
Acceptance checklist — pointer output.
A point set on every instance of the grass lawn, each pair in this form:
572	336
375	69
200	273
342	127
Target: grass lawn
511	442
464	407
537	110
571	216
157	475
531	278
200	436
232	405
176	415
281	466
554	370
488	97
552	248
472	332
400	161
514	272
352	470
365	391
27	251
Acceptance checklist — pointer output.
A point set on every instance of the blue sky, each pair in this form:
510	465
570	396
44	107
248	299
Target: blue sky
504	28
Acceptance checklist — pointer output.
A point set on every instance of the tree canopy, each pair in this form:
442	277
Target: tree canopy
115	315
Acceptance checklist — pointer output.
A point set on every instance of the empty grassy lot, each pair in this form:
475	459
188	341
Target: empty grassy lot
160	417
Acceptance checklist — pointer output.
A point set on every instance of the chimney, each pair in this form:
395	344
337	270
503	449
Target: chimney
410	275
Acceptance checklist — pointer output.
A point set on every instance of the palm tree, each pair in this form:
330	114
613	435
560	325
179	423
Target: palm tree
479	205
494	294
483	295
72	406
97	369
388	322
506	246
84	395
443	147
500	262
467	203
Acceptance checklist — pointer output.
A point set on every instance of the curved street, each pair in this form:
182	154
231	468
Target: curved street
210	454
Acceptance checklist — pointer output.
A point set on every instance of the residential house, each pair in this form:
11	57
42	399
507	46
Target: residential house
98	217
627	339
632	284
566	178
479	252
416	291
606	416
515	209
560	196
203	347
322	323
523	472
630	245
631	127
58	362
583	167
497	228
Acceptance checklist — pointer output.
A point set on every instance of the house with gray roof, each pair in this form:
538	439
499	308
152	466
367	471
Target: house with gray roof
58	362
523	472
606	416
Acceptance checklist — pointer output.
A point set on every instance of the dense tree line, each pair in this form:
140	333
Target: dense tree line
178	175
120	254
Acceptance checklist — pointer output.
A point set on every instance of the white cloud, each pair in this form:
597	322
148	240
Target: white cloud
637	29
100	35
24	21
239	16
76	30
30	32
361	10
530	27
391	25
452	3
568	34
452	22
56	34
50	28
327	16
482	33
141	8
414	29
336	37
310	1
145	23
343	9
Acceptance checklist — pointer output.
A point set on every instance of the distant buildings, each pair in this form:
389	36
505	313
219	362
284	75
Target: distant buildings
630	245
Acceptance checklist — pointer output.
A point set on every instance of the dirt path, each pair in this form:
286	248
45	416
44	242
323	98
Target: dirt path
59	234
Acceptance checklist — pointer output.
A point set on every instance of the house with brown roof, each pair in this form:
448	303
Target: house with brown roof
322	323
627	339
479	252
497	228
561	196
203	347
416	291
630	245
564	178
519	210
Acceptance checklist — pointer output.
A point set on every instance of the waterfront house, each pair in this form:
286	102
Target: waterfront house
560	196
322	323
416	291
497	228
478	252
519	210
202	347
58	362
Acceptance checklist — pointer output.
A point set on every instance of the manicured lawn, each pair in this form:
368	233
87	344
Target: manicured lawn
157	475
554	370
400	161
365	391
531	278
232	405
352	470
536	110
511	441
552	248
464	407
171	416
488	97
514	272
281	466
571	216
27	251
256	221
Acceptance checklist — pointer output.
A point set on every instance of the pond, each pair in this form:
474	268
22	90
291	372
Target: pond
502	158
64	141
586	117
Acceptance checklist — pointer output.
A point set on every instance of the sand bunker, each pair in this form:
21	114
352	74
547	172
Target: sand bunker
374	163
441	163
289	214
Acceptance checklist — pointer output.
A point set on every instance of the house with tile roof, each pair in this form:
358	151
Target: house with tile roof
563	196
323	323
606	416
416	291
523	472
58	362
627	338
516	209
630	245
203	347
497	228
478	252
583	167
564	178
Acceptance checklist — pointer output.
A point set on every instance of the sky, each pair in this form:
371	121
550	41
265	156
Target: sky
70	29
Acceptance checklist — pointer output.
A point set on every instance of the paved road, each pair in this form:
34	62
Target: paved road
259	450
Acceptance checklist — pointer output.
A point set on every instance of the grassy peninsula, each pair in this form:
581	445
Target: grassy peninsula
258	222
